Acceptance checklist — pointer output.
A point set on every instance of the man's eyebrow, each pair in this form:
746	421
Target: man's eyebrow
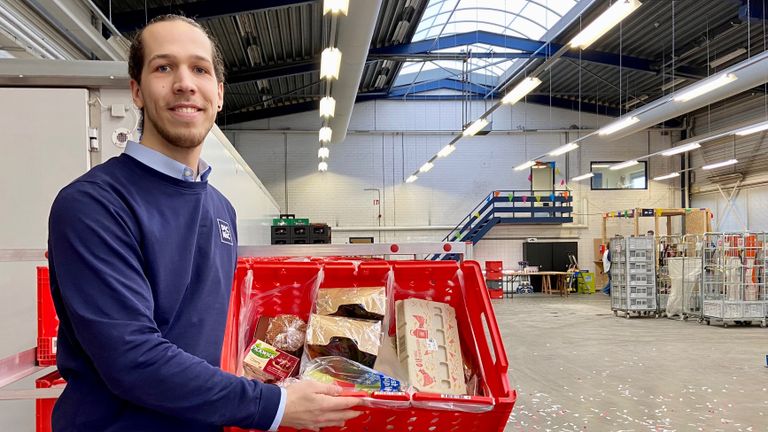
173	57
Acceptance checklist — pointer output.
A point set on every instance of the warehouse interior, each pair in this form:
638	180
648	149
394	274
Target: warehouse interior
566	146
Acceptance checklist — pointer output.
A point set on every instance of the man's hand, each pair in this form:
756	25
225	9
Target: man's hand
312	405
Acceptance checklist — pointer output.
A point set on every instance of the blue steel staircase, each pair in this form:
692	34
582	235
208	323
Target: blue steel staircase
519	207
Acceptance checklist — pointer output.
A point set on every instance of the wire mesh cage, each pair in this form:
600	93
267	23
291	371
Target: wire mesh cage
733	282
633	276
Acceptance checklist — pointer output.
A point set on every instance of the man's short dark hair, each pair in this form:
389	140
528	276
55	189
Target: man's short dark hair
136	52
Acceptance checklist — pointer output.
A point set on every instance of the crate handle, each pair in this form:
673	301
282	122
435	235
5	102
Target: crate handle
502	364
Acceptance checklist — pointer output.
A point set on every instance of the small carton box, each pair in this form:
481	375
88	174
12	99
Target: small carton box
268	364
428	346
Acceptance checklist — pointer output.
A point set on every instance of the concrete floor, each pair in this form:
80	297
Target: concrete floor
576	367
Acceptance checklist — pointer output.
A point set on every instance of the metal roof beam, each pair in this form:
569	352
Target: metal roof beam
274	71
205	9
442	84
428	46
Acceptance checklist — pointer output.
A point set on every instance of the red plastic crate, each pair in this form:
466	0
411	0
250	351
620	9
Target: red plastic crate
494	275
47	321
437	281
44	407
494	266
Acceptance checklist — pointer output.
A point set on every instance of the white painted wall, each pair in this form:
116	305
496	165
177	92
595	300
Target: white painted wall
389	140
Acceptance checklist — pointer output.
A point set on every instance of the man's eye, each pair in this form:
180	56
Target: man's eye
201	70
163	68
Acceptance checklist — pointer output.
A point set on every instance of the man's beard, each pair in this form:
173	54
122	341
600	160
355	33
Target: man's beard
186	138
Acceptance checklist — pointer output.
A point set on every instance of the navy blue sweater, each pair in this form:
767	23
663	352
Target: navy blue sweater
141	271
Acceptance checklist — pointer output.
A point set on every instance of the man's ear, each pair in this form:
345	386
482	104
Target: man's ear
138	99
221	96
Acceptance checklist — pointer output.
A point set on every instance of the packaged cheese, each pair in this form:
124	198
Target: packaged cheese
428	346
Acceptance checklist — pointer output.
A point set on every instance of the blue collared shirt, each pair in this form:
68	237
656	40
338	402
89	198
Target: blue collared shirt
160	162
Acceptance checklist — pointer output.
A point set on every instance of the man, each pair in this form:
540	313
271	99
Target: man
142	252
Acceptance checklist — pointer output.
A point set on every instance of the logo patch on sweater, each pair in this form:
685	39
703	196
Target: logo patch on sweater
225	231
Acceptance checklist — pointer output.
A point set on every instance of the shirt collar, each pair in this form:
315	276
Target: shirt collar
166	165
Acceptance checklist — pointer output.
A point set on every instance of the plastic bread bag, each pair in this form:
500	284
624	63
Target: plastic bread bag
380	390
353	339
286	332
354	302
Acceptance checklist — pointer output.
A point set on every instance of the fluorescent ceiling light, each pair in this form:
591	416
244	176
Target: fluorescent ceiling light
674	83
583	177
445	151
667	177
623	165
707	86
475	127
330	63
752	129
322	166
606	21
564	149
426	167
726	58
681	149
618	125
336	7
323	152
325	134
601	166
523	88
327	107
720	164
525	165
411	179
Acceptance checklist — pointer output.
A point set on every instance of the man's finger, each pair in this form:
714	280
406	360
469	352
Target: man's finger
326	389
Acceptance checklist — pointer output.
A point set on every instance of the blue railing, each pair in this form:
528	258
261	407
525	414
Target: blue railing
533	207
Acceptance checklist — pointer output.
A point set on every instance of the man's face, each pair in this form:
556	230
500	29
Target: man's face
178	91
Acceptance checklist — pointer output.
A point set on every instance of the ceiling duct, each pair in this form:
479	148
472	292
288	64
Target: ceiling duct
749	73
354	40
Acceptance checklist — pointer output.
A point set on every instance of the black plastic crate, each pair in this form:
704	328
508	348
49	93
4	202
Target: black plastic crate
493	284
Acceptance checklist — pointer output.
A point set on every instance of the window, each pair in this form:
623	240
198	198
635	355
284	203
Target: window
632	177
529	19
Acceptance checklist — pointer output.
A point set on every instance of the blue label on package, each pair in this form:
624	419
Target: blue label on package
389	384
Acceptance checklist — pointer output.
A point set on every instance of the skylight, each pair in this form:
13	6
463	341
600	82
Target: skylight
528	19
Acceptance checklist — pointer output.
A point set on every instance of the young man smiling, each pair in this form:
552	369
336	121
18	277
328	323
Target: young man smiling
142	252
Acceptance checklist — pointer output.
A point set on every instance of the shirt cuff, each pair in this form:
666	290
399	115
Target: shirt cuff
280	411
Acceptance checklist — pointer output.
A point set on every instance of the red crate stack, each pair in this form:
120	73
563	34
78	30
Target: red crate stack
47	321
493	279
44	407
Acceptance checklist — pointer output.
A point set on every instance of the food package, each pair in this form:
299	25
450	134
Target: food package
362	303
268	364
284	332
354	339
428	346
349	375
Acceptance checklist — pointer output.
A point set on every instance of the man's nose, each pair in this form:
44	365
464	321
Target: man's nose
184	82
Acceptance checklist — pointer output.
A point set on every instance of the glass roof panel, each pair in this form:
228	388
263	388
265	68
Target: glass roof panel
530	19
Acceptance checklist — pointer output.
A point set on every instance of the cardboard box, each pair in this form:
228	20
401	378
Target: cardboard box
428	346
268	364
